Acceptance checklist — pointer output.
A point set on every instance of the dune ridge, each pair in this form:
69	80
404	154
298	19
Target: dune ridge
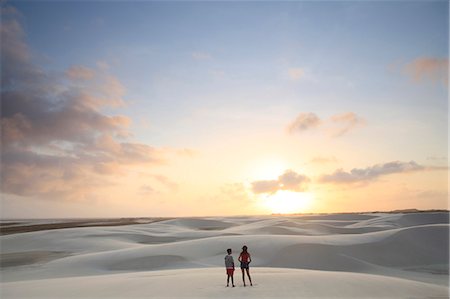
410	250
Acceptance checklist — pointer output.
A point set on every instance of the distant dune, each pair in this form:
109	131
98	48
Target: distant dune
357	255
22	226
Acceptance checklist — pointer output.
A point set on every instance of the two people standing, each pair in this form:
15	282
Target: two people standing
244	259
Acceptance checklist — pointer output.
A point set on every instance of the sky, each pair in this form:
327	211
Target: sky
192	108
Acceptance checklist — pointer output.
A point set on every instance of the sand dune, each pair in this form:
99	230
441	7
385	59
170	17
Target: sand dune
389	255
208	283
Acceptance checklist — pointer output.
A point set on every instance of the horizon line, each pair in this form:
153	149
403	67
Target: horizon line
411	210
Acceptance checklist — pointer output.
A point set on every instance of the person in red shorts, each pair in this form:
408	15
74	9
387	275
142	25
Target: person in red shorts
245	260
229	265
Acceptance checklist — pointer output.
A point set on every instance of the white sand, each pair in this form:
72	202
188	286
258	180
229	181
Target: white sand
331	256
209	283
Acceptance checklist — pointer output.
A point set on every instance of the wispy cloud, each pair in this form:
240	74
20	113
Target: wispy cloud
289	180
56	140
80	72
432	69
336	126
423	69
345	122
304	122
371	173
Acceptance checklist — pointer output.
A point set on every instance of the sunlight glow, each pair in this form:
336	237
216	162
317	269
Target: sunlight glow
267	168
287	202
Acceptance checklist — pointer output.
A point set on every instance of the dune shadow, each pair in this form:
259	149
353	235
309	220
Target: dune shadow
8	260
147	263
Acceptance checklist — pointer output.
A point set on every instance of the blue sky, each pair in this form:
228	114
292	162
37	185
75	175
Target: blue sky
197	74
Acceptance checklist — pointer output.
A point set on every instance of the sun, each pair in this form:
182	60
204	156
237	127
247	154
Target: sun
287	202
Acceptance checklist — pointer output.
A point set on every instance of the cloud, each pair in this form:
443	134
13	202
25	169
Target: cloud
56	139
263	186
304	122
337	125
296	73
80	72
292	181
345	122
370	173
289	180
428	69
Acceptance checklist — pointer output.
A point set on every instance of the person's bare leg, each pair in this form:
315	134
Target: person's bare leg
248	274
228	280
243	276
232	281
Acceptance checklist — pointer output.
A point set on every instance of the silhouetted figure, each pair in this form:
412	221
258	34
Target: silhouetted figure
229	265
245	260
